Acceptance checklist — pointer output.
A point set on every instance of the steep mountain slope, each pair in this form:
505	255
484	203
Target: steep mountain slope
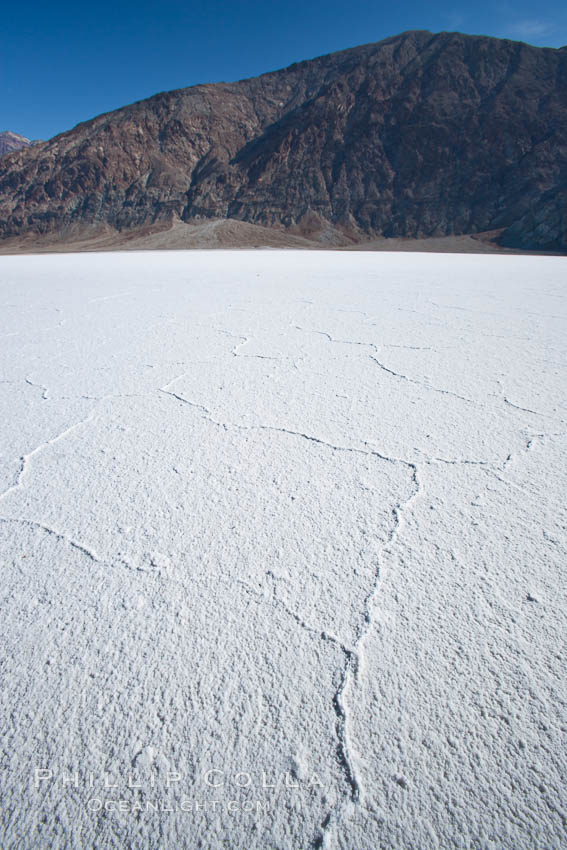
417	135
12	142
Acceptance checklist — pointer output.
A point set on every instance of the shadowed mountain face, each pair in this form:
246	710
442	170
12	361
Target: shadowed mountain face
12	142
417	135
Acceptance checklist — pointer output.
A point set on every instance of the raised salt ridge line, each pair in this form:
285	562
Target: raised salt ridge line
352	655
25	459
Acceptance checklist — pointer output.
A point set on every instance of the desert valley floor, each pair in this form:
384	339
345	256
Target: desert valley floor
283	548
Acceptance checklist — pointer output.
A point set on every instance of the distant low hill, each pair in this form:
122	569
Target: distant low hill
12	142
419	135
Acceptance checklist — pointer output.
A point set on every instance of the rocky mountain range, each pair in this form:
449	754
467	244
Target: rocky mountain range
12	142
419	135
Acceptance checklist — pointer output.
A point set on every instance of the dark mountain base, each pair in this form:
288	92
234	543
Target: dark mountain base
232	234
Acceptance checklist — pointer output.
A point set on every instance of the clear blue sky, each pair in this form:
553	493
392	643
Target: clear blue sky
63	62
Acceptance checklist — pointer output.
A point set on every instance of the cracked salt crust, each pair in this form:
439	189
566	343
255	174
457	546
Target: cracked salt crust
293	522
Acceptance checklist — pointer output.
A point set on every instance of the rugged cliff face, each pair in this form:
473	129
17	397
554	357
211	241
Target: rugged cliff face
12	142
417	135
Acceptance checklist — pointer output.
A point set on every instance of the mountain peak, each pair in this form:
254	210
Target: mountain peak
10	141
